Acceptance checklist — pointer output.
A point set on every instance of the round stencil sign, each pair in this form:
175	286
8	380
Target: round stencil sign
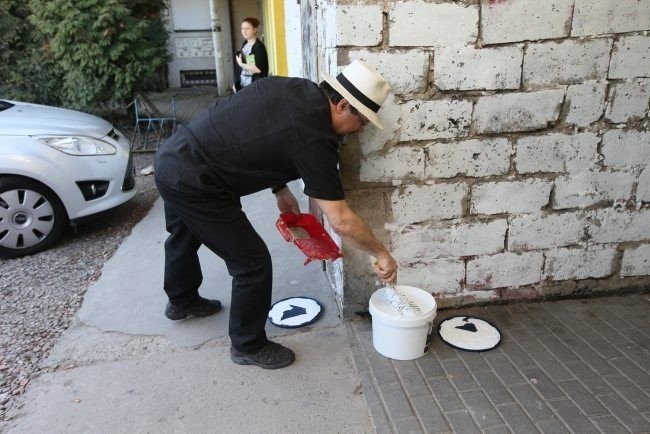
469	333
295	312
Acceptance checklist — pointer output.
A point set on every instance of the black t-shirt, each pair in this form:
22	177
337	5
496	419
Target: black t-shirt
274	131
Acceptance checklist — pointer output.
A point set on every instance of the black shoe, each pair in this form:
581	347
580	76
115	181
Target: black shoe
199	307
270	356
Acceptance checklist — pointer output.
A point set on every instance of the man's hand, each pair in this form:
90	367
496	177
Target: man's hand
386	269
287	202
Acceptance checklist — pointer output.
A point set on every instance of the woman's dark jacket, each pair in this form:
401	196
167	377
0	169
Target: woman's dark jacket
261	61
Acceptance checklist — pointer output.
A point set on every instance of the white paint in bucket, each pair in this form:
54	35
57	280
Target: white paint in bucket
399	337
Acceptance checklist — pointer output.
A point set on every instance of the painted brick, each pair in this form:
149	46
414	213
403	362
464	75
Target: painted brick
439	119
556	153
406	71
441	276
512	197
458	239
628	101
517	111
567	62
594	17
375	139
359	25
418	23
586	103
471	158
501	20
468	68
643	186
612	226
623	149
445	301
397	163
504	270
565	264
545	231
636	261
590	188
630	57
415	204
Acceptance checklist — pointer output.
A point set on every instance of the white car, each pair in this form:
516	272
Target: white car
56	166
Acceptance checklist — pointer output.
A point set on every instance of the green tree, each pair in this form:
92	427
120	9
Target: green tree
99	52
27	71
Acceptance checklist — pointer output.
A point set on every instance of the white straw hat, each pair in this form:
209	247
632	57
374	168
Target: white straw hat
362	87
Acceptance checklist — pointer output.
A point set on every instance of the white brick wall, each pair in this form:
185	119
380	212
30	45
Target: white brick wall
570	264
512	197
359	25
624	149
504	270
397	163
418	23
517	158
589	188
586	103
636	261
643	187
630	57
406	71
628	101
595	17
556	153
503	21
468	158
440	276
415	204
426	120
613	226
449	241
517	111
567	62
467	68
545	231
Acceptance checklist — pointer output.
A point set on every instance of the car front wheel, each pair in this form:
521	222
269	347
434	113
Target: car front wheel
32	217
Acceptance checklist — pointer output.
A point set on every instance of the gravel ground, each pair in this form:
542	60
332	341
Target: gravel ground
40	294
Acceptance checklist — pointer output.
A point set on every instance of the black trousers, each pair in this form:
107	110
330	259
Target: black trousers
216	220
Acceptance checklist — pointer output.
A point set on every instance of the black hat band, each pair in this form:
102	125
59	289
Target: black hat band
357	93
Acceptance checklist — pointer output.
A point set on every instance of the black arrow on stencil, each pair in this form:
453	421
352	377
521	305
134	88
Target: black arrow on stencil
294	311
470	327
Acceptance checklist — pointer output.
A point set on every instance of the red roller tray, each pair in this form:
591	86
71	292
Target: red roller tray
309	235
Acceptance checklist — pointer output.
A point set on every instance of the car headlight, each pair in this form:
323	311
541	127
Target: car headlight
74	145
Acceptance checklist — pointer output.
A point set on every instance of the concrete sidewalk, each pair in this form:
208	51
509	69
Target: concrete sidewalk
124	368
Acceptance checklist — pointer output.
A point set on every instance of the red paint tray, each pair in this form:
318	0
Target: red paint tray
309	235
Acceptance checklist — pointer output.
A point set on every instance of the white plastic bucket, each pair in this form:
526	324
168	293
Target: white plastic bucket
398	337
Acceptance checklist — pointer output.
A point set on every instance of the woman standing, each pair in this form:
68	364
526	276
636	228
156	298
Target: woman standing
252	60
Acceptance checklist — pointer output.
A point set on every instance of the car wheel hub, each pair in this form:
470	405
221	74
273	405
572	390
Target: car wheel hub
21	220
26	218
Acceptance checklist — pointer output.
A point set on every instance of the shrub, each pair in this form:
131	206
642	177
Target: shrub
91	55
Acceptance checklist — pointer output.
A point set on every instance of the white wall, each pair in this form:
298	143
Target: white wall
293	38
514	163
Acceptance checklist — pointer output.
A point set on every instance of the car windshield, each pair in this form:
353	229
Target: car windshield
4	105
